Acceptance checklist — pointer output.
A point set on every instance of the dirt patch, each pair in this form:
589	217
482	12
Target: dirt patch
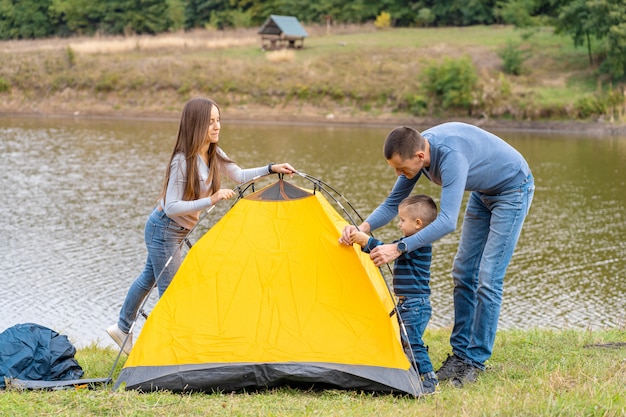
198	39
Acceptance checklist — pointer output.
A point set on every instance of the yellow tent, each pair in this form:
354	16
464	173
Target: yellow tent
269	297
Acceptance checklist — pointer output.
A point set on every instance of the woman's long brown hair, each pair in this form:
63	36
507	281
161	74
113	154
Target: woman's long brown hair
192	133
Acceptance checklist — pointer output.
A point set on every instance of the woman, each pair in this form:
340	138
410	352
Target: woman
192	184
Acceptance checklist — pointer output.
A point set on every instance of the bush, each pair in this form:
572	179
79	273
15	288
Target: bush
107	83
615	100
450	84
4	85
494	96
412	103
425	17
383	20
590	106
70	56
513	58
609	103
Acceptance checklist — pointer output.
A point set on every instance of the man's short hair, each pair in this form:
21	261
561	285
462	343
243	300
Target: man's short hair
421	206
404	141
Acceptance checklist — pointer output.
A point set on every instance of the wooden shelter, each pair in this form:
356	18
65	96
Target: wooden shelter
280	32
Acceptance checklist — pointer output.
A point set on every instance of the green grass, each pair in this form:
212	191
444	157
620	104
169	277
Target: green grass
531	373
420	38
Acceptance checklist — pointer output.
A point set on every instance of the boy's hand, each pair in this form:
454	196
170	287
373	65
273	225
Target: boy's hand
346	238
346	235
359	237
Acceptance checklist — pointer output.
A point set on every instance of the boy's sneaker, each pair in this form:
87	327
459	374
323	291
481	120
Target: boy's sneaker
467	374
450	368
430	385
119	337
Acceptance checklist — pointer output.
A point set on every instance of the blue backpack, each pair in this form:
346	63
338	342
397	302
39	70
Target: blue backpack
33	352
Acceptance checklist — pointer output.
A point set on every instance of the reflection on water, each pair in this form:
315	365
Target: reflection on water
76	193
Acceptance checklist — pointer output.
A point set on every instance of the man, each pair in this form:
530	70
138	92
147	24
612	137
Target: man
459	157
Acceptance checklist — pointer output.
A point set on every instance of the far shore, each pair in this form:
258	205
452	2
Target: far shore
285	116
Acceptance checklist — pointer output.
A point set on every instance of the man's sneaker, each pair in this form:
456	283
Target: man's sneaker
467	374
450	368
119	337
430	385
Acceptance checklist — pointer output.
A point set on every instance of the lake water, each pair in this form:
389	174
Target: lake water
76	194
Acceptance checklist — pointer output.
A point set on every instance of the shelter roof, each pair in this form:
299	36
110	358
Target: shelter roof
288	25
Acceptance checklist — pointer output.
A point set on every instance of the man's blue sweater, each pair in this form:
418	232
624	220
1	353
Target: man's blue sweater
462	157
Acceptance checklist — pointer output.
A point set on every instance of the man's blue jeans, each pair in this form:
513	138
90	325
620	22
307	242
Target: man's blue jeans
491	229
415	313
163	238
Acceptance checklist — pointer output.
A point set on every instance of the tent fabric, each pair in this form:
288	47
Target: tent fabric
33	352
269	297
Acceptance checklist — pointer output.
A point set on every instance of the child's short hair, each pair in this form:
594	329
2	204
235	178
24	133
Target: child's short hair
421	207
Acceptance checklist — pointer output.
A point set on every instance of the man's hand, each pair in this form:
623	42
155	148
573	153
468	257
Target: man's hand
383	254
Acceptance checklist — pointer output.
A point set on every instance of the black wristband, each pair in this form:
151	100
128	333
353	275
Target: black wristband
269	168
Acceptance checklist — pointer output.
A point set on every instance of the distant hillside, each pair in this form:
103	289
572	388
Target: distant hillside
350	74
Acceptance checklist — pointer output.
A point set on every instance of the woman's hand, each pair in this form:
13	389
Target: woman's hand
221	194
284	168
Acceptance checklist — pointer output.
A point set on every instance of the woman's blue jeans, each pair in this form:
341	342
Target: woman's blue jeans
415	313
491	229
163	238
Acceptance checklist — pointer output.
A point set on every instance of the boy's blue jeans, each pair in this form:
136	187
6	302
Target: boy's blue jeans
163	237
491	229
415	313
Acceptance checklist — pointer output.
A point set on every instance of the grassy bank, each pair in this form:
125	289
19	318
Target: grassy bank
346	74
532	373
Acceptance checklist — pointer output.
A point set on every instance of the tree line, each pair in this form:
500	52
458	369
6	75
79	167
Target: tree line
598	25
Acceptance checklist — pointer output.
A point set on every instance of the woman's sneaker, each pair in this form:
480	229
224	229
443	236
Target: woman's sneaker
119	337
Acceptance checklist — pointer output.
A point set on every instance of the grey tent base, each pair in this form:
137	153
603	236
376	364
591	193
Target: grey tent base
234	377
56	385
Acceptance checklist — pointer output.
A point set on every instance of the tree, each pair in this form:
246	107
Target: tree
199	13
609	16
76	16
603	20
148	16
24	19
576	20
478	12
176	11
527	14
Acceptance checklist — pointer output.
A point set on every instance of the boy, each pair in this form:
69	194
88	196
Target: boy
411	279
